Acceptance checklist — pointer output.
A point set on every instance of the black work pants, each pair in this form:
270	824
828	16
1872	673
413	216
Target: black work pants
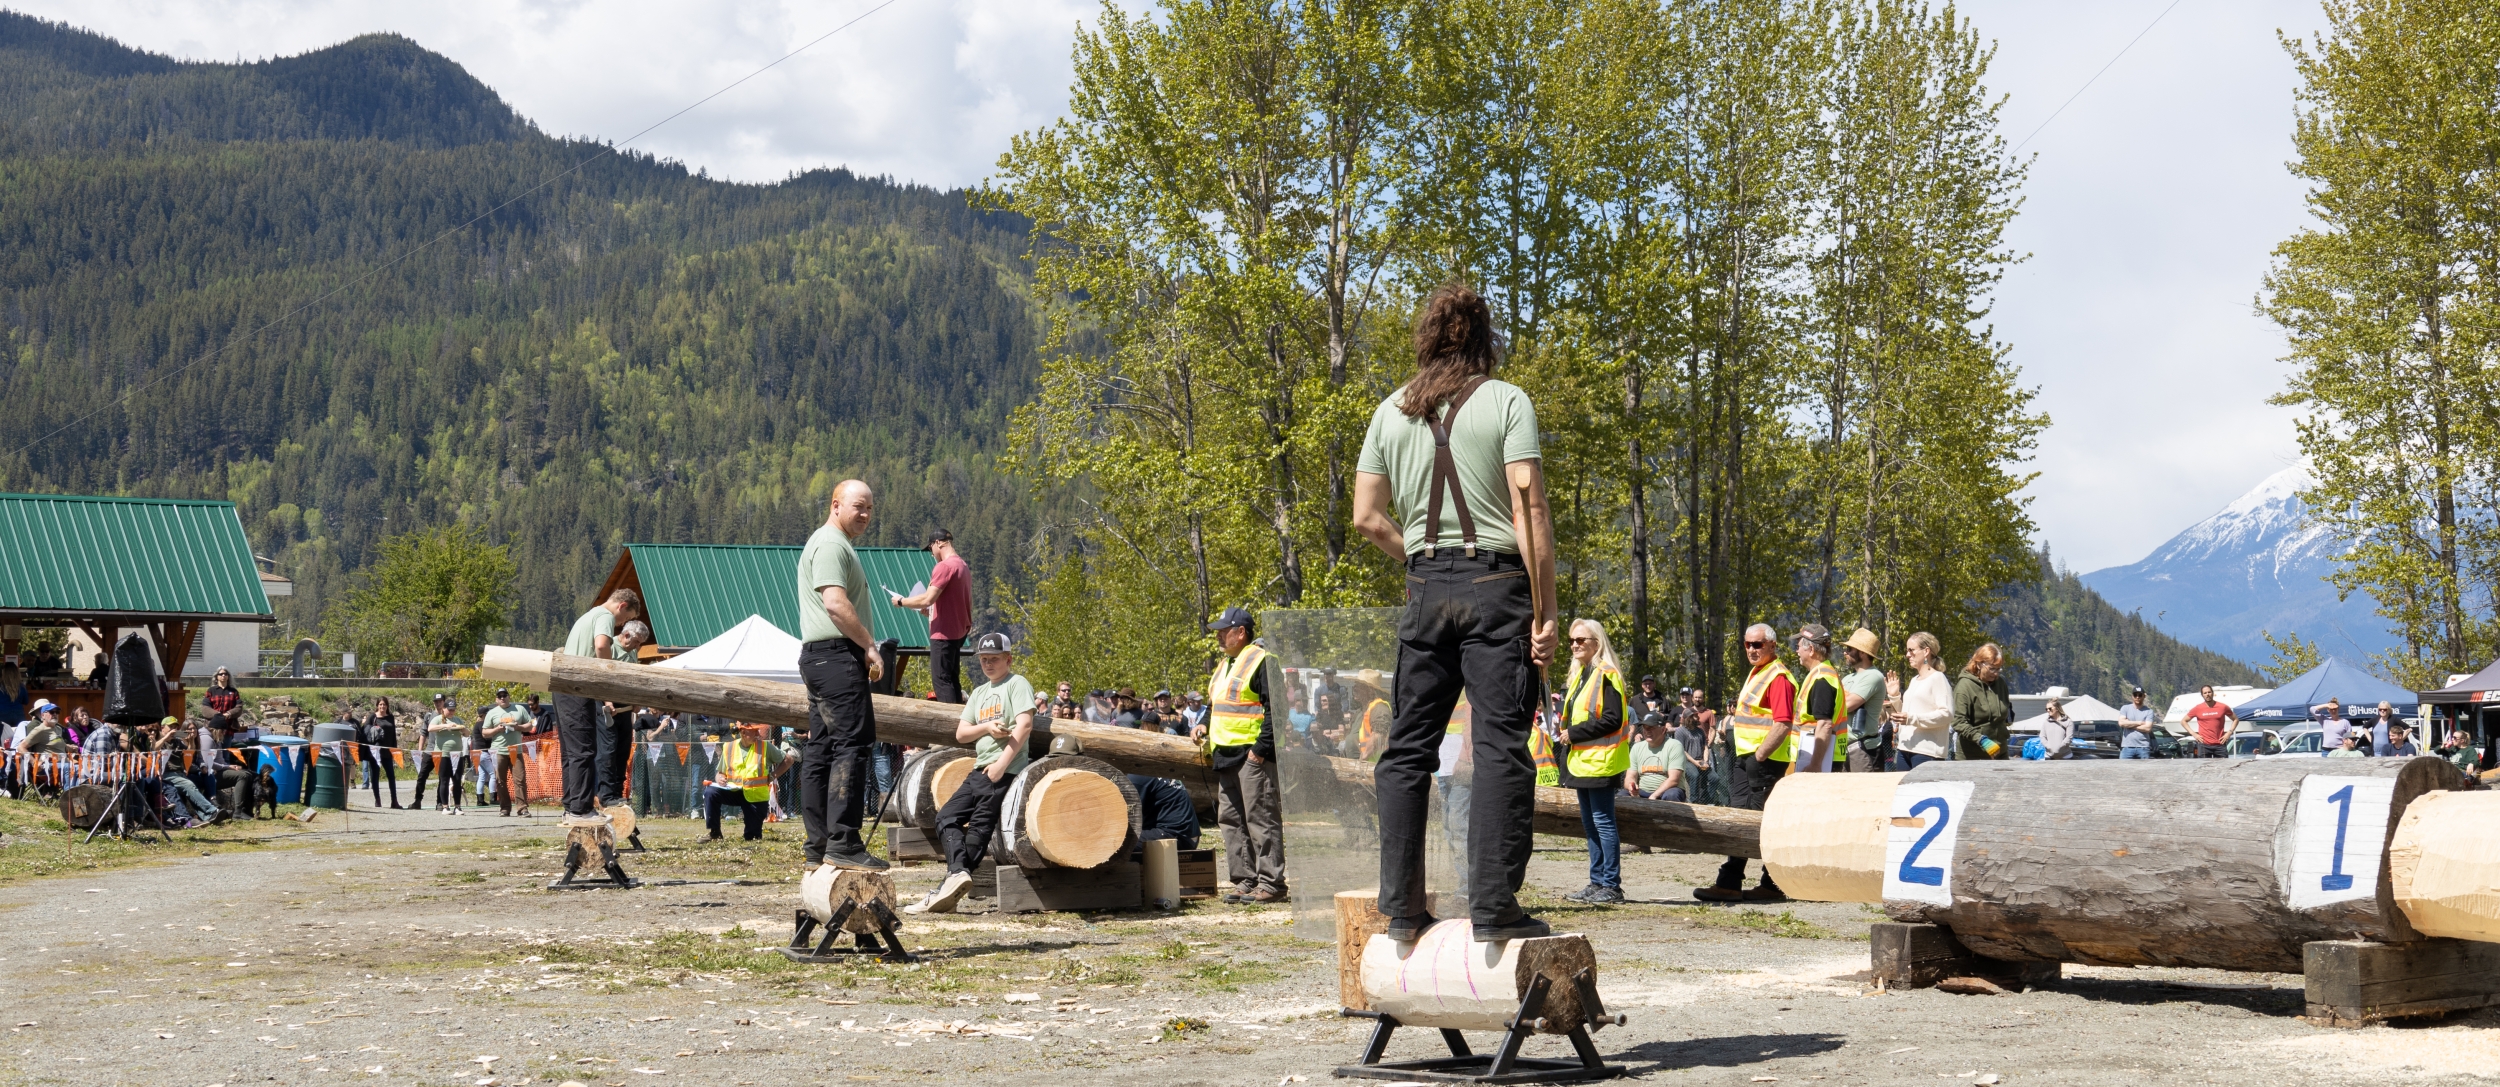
716	795
1465	629
577	734
970	817
447	767
841	728
1749	787
616	753
946	669
380	763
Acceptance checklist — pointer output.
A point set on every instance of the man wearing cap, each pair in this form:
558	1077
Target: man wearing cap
837	662
504	727
2136	722
577	718
1240	739
998	722
950	591
1870	743
747	765
1455	452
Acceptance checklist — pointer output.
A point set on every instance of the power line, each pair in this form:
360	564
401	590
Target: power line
429	243
2096	76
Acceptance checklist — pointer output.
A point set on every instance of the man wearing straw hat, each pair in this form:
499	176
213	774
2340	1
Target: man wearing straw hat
1870	744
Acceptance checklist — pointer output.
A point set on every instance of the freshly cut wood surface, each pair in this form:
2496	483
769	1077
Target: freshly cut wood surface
948	778
1682	828
1016	842
1358	920
916	800
2169	863
620	819
1447	979
826	888
1076	819
1823	835
2443	865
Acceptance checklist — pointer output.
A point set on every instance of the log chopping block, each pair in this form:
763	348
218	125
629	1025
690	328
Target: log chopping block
845	900
1069	811
2443	865
928	780
621	825
2236	864
585	846
1358	920
1447	981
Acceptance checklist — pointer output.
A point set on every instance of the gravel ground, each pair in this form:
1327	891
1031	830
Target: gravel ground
409	947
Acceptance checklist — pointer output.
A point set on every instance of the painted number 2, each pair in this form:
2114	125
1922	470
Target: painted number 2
2338	879
1933	875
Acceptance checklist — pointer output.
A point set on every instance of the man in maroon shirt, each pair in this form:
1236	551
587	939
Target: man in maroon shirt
2208	717
950	588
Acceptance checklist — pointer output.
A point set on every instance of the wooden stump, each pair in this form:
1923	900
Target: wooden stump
1076	819
1358	920
1445	979
1823	835
2443	867
2351	983
1016	840
827	888
917	786
2235	864
1162	876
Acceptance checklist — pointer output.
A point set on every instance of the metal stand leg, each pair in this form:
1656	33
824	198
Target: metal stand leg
1504	1065
1382	1028
1457	1043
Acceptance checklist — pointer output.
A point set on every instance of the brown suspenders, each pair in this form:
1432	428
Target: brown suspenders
1445	470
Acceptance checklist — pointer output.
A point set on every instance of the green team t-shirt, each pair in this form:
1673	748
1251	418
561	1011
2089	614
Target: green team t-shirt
584	641
1496	427
512	718
999	703
829	560
1653	764
450	741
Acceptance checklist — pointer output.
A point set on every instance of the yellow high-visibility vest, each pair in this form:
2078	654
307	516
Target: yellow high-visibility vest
747	770
1752	722
1236	714
1609	755
1824	673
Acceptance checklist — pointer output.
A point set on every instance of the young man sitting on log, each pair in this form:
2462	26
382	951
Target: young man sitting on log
997	720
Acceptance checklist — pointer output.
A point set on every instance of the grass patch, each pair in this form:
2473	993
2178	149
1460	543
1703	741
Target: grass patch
1180	1027
1783	924
40	844
1229	977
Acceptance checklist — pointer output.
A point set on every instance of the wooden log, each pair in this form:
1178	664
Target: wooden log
2236	863
2443	868
1823	835
620	819
1681	828
827	888
1445	979
2352	983
1076	819
1358	920
1921	956
1118	885
915	788
1016	842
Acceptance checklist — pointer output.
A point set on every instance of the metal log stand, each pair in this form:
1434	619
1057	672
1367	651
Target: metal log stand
865	943
580	844
1503	1065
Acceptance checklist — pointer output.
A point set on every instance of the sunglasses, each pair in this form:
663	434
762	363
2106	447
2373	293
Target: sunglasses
1756	644
1581	641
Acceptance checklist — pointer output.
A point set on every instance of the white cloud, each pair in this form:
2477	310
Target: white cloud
2149	214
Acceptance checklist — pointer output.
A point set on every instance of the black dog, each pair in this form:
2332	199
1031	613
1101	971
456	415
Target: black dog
267	792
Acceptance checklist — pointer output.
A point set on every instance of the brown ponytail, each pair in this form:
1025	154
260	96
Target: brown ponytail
1453	345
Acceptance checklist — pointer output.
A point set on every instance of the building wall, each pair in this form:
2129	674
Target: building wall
233	646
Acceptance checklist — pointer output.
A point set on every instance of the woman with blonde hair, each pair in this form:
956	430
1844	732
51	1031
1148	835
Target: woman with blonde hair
1924	724
1596	748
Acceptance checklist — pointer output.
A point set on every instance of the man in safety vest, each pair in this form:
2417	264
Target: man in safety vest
743	774
1239	736
1759	726
1822	706
998	722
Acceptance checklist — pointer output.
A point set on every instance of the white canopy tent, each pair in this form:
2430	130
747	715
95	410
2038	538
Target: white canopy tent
755	648
2080	708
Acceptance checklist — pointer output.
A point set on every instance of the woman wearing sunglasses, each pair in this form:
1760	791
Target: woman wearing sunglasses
1597	748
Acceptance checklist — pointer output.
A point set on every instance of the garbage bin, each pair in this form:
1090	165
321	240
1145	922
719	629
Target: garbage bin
329	776
285	759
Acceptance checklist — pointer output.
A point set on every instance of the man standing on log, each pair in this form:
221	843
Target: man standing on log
577	719
998	723
837	663
1456	451
1240	739
1760	724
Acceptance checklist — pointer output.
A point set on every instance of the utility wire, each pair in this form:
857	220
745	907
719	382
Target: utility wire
2096	76
429	243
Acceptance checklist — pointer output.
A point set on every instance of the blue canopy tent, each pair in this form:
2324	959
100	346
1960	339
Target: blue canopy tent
2361	692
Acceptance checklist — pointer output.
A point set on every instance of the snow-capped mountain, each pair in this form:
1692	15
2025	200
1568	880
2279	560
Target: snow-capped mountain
2260	564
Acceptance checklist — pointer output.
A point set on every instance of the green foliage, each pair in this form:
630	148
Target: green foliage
2056	631
2389	303
432	595
631	353
2293	656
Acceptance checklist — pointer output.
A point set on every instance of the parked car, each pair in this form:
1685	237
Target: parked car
2250	745
2298	742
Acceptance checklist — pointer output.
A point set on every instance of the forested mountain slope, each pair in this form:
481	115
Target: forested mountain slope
631	353
2062	633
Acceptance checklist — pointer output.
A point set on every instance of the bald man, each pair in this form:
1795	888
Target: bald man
838	663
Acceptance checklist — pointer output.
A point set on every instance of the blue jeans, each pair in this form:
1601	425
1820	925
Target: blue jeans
1597	820
2135	752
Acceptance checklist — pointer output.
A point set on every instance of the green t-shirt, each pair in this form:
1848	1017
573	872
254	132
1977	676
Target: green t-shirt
512	718
1653	764
998	702
1867	684
584	641
449	740
1497	427
829	560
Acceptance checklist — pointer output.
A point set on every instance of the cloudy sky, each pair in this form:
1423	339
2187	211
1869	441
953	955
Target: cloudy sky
2153	201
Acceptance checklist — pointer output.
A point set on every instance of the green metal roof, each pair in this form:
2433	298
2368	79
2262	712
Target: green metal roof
146	558
694	592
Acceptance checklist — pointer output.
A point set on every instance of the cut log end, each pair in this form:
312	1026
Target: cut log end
948	778
1823	835
2443	867
620	820
825	889
1077	819
506	664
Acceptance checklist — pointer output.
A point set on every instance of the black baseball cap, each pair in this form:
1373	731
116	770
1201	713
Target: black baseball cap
991	644
1233	617
938	537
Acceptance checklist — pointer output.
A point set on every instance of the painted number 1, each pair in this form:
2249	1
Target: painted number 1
1912	872
2337	879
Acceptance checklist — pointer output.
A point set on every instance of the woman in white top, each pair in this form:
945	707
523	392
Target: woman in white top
1925	723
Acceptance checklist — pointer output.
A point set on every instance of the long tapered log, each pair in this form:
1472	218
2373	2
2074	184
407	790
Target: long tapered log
1681	828
2212	863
